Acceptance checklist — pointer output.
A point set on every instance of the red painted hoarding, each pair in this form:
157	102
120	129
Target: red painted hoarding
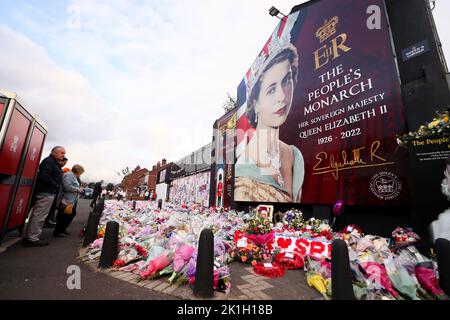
19	208
5	194
12	149
33	155
2	108
10	156
23	194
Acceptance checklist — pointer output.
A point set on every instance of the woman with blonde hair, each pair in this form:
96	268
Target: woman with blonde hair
68	208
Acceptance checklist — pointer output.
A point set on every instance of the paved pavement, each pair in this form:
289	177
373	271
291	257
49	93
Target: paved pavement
41	273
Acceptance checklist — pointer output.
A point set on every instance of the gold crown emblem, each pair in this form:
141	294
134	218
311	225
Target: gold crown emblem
328	29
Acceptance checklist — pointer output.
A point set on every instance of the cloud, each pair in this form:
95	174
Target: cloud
136	81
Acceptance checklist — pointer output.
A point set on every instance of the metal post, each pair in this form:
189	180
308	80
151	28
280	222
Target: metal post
110	245
443	259
90	233
204	274
100	206
341	274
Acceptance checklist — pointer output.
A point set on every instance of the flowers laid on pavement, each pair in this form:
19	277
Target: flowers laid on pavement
154	243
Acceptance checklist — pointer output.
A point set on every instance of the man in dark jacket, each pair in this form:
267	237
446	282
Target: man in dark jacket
50	221
96	193
49	180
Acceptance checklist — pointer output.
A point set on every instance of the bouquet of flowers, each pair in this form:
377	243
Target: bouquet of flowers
251	254
156	265
314	227
258	226
401	279
427	279
294	219
101	231
404	237
315	279
376	272
119	263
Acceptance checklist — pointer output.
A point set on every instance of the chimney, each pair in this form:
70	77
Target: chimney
164	161
154	168
159	164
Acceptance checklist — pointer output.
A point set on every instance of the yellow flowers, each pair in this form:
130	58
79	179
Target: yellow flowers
434	123
438	126
319	283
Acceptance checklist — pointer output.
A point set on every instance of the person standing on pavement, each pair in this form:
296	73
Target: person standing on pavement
96	193
50	221
104	192
71	189
49	180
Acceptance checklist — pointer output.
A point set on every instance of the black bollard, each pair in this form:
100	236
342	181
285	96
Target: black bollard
159	204
90	234
110	245
204	277
443	259
100	206
134	205
341	274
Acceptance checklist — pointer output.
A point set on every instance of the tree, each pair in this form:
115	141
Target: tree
110	187
230	104
92	185
124	172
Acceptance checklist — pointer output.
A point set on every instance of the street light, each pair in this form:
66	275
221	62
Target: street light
274	12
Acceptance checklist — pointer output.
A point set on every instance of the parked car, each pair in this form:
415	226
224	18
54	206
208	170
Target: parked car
87	193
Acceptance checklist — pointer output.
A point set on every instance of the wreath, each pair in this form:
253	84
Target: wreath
289	261
273	271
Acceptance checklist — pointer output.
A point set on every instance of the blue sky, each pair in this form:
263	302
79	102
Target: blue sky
130	82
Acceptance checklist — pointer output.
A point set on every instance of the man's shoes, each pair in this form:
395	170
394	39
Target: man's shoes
40	243
59	235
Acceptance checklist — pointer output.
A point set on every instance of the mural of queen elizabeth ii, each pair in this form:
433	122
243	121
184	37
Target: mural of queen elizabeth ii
267	169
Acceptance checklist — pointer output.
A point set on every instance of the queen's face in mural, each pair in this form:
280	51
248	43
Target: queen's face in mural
274	101
269	169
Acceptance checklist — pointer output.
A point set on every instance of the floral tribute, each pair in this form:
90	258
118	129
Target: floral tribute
289	261
157	243
440	125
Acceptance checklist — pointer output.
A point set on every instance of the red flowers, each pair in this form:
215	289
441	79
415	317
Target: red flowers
289	261
284	243
141	251
273	271
119	263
